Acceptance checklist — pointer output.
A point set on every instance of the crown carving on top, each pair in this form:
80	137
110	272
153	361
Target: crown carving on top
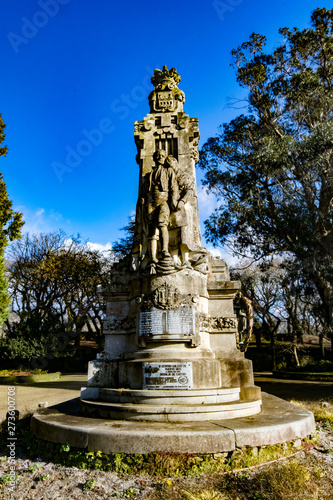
165	79
166	96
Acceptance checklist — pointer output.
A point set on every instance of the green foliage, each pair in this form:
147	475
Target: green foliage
3	149
272	168
130	492
9	478
33	339
160	464
5	373
90	484
4	296
54	284
10	221
321	366
10	229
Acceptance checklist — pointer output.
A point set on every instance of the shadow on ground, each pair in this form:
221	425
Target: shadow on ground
302	390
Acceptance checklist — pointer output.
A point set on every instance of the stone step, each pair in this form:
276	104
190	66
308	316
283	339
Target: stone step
170	413
210	396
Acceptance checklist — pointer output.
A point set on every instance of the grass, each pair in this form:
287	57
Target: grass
7	373
322	411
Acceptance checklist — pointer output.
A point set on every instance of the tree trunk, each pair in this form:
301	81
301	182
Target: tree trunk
257	334
77	337
296	354
321	345
273	330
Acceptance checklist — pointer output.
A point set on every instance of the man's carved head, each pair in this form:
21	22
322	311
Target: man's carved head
173	163
160	156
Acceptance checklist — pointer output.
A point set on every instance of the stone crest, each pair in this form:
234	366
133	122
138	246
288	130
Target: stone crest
166	95
167	297
209	324
113	323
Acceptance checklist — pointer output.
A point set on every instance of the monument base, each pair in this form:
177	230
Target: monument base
172	390
278	422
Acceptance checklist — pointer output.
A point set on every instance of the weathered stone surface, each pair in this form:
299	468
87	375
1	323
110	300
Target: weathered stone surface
278	422
170	413
168	397
169	305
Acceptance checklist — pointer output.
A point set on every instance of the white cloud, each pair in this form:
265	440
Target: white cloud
230	259
207	202
98	246
38	221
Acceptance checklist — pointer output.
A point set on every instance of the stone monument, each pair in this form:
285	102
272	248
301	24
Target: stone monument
170	329
170	378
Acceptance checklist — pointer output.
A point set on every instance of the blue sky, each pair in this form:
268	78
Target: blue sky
75	76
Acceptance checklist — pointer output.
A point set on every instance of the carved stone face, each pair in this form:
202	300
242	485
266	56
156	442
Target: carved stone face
160	156
172	162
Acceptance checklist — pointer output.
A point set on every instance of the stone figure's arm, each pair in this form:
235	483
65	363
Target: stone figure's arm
174	188
186	191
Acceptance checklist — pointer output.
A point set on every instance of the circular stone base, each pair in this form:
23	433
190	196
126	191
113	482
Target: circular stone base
278	422
170	413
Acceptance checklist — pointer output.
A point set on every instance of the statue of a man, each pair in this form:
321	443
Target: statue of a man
179	223
161	199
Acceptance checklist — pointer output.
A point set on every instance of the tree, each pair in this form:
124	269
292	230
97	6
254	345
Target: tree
282	303
54	285
10	229
272	168
122	247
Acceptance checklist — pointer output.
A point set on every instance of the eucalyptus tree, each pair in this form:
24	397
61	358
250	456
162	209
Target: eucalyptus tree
272	166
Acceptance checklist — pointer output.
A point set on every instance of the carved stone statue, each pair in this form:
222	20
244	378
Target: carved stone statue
167	232
161	199
179	218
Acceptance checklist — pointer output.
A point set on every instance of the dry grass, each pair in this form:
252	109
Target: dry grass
322	410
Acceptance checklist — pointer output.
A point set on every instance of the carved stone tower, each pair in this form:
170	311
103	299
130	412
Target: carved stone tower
170	322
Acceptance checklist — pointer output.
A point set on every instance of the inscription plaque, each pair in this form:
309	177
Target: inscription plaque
180	321
167	375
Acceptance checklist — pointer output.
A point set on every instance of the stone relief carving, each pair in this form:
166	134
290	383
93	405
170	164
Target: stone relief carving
166	95
217	323
167	297
195	153
113	323
162	219
167	233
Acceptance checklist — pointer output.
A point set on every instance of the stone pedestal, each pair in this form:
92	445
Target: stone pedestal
169	343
